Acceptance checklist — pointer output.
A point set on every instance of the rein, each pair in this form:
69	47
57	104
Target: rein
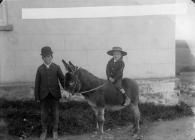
91	89
78	84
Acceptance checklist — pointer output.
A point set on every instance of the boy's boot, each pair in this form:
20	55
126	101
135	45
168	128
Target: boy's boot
43	135
55	135
127	99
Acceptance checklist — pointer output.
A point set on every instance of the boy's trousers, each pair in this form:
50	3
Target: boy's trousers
50	107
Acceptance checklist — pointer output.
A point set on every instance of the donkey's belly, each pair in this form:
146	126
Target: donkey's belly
115	107
108	107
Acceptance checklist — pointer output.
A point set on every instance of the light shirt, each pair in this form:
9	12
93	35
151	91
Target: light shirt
47	65
115	60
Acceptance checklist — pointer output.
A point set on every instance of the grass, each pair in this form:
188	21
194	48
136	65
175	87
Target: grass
23	117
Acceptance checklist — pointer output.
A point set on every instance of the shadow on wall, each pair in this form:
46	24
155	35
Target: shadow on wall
185	60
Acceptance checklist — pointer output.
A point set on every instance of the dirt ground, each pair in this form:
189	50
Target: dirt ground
179	129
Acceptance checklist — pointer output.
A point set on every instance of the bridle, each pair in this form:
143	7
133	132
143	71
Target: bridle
76	85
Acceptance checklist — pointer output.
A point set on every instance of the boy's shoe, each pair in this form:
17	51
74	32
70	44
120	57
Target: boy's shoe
127	100
55	135
43	135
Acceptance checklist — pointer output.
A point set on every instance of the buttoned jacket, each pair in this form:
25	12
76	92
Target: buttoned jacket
47	81
115	69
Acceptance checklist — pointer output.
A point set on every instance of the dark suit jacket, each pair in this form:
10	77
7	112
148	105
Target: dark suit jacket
47	81
115	69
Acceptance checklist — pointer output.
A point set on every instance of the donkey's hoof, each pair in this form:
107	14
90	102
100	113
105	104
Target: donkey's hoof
136	131
134	136
95	132
100	133
139	138
100	137
106	136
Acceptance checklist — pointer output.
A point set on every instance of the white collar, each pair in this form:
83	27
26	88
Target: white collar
47	65
115	61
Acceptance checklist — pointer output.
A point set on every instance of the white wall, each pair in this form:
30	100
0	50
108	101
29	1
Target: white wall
149	41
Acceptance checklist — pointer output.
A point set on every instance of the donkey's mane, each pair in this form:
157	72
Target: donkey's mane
88	80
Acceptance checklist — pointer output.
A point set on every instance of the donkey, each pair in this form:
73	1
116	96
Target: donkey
101	94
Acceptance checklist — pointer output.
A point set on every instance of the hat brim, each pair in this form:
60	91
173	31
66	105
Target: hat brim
112	51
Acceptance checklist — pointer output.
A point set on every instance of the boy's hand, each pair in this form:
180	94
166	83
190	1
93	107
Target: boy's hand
111	79
65	94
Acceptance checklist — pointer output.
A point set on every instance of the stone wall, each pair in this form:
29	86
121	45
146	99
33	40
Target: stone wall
187	83
157	91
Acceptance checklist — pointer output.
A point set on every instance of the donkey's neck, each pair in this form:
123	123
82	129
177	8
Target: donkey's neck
89	81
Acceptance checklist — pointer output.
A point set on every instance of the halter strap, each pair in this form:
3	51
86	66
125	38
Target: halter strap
91	89
78	84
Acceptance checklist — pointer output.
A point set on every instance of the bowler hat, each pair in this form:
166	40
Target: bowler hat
116	49
45	51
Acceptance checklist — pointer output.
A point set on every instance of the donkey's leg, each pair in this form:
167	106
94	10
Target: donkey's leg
136	114
96	115
101	119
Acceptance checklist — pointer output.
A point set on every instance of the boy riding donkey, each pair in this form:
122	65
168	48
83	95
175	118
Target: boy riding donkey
47	91
114	70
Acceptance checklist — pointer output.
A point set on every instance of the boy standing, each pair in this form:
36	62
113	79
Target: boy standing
47	91
114	70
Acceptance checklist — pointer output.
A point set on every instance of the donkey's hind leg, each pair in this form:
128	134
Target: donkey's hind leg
96	115
136	114
101	119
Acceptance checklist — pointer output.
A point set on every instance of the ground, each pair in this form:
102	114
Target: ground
179	129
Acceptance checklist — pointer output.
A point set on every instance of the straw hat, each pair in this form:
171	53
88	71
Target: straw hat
116	49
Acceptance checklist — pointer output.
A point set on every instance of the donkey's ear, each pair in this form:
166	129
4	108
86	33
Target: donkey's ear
73	67
66	65
70	63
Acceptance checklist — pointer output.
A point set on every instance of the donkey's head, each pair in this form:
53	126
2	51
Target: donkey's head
72	82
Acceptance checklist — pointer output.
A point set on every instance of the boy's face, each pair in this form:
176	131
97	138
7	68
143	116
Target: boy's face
47	59
117	55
